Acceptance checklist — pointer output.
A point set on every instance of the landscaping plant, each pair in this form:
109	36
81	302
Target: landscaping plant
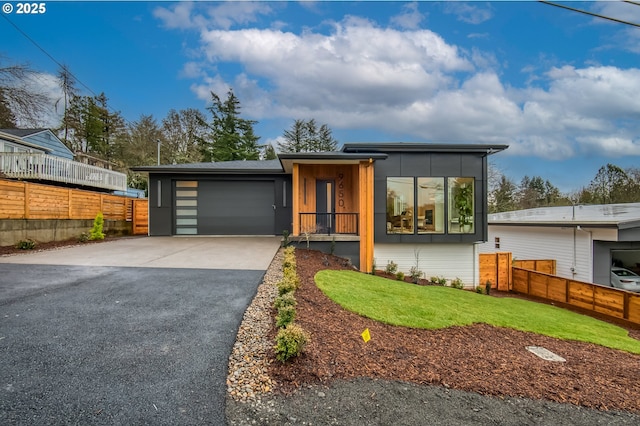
290	342
286	315
391	268
27	244
96	232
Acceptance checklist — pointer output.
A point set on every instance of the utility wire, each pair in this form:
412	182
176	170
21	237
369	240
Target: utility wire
597	15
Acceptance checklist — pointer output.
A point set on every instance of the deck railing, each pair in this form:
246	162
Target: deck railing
57	169
329	223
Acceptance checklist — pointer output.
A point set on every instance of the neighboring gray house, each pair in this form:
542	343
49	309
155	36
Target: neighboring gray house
585	240
38	155
377	202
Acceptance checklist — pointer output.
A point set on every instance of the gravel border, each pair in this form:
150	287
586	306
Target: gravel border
251	400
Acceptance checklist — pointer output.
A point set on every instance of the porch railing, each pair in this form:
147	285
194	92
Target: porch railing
329	223
57	169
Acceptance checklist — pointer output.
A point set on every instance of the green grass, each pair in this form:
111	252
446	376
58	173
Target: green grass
431	307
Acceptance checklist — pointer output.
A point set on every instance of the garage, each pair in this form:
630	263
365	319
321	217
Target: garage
226	198
236	208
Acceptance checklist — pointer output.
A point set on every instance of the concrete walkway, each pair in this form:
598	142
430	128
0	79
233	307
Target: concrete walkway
245	253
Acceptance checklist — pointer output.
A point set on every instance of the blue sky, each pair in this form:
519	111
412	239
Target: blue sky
561	88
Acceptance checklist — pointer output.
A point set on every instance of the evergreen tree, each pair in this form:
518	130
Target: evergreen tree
611	185
504	196
270	153
230	136
305	136
295	139
7	118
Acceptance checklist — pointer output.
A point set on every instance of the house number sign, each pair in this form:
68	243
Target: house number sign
341	189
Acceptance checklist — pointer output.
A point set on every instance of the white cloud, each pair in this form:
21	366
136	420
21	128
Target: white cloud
471	14
224	15
412	82
410	18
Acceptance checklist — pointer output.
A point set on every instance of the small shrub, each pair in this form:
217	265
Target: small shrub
83	238
457	283
415	274
290	275
286	286
285	316
290	342
285	238
332	249
287	299
479	290
289	262
391	268
27	244
439	281
400	276
373	266
96	232
487	287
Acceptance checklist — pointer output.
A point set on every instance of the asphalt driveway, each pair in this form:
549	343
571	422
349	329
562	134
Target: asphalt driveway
86	338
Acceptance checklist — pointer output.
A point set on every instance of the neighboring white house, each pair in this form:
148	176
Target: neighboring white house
585	240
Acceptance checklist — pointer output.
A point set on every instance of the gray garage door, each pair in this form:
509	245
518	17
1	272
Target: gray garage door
236	208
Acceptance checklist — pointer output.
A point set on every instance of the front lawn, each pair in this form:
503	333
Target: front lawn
430	307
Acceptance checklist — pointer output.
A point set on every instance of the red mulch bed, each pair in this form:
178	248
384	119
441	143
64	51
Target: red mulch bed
478	358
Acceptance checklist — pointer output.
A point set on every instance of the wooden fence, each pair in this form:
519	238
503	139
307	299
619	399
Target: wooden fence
593	297
496	267
26	200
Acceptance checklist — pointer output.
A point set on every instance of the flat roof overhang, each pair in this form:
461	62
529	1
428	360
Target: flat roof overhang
289	159
362	147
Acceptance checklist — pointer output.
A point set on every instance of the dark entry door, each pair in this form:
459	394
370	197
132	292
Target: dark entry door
325	206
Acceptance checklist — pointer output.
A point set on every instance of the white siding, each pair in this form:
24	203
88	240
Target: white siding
447	260
571	248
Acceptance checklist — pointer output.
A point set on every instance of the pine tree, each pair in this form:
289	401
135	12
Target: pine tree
231	137
305	136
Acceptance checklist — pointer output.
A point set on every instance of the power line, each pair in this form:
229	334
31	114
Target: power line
597	15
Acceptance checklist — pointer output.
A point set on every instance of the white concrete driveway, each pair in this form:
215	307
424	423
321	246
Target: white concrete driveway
244	253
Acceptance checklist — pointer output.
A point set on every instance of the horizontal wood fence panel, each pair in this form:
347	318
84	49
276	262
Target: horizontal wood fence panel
603	300
520	281
47	202
557	289
26	200
548	266
608	302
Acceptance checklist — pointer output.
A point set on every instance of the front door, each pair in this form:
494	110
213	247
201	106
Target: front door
325	207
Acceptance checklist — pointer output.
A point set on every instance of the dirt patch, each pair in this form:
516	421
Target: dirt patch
53	245
478	358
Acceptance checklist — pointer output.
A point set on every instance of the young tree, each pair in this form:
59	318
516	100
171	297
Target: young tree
230	137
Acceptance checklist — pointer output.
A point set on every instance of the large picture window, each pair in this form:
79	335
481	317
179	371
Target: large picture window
430	218
461	205
417	205
400	205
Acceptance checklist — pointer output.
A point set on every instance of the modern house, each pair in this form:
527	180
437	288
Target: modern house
585	240
38	155
415	204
